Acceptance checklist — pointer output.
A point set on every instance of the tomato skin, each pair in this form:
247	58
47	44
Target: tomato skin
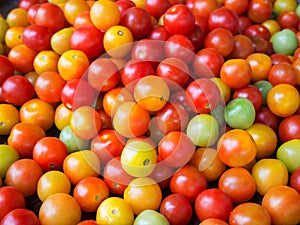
265	116
158	32
156	8
213	203
295	180
259	10
289	128
282	73
177	209
250	92
180	15
20	217
188	181
37	37
7	68
88	39
17	90
10	198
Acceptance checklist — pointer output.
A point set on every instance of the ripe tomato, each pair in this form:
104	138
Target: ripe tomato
10	198
9	115
7	68
90	192
143	193
282	73
180	15
62	116
81	164
213	221
288	128
295	180
202	7
159	33
188	181
282	198
243	47
250	92
37	37
60	40
236	5
288	19
17	17
59	203
45	61
265	116
73	8
236	148
20	217
253	213
213	203
53	182
82	19
260	64
259	11
177	209
21	169
288	154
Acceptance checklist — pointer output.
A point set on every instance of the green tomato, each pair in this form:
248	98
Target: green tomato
138	158
289	154
8	155
72	142
150	217
203	130
239	113
264	86
285	42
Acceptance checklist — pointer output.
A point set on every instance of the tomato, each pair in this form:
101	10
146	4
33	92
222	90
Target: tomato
176	149
123	5
202	7
179	46
7	68
250	92
268	173
213	203
10	198
82	19
264	86
288	128
115	210
295	180
143	193
62	116
37	37
223	17
59	203
282	198
159	33
278	100
213	221
20	216
105	14
9	118
221	39
21	169
265	116
49	10
177	209
45	61
39	112
73	8
101	70
238	6
175	70
285	41
257	31
236	73
60	40
281	5
81	164
243	46
288	154
88	222
17	17
53	182
288	19
252	213
259	10
180	15
90	192
236	148
137	20
77	93
107	145
282	73
188	181
131	120
157	8
238	184
88	39
31	12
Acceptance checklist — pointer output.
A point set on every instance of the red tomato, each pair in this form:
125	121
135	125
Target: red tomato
37	37
250	92
289	128
180	15
10	198
225	18
243	47
265	116
239	6
156	8
17	90
50	153
257	30
88	39
213	203
7	68
188	181
123	5
282	73
176	149
288	19
159	33
295	180
20	217
259	10
204	95
177	209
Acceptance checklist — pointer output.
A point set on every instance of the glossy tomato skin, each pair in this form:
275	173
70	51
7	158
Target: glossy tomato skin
265	116
259	10
250	92
289	128
156	8
213	203
188	181
295	180
20	217
37	37
88	39
177	209
203	94
17	90
158	32
180	15
10	198
123	5
7	68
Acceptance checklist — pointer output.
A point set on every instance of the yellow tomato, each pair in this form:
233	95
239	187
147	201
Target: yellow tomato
45	61
17	17
60	41
13	36
9	116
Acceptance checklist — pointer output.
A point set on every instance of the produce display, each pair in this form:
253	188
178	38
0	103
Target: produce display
150	112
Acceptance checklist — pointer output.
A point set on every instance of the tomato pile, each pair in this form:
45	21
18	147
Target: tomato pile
166	112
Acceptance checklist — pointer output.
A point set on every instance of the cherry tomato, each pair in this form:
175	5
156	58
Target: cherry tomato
7	68
295	180
259	10
37	37
20	216
157	8
288	128
250	92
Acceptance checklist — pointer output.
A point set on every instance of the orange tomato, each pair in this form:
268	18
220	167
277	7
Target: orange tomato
83	19
283	100
104	14
17	17
13	36
72	64
45	61
39	112
260	64
72	8
62	116
143	193
9	117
